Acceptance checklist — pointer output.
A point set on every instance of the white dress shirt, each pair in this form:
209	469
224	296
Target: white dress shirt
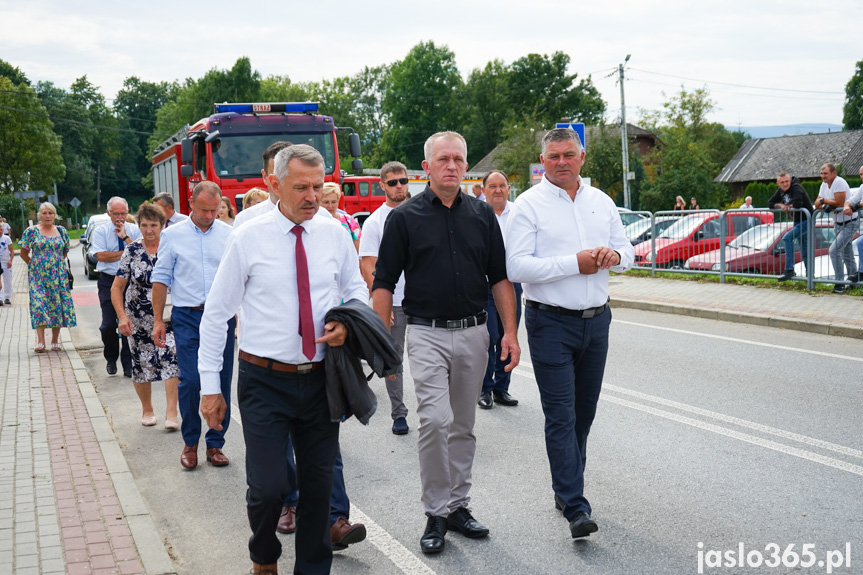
263	284
188	259
370	245
503	218
176	219
545	232
105	240
252	212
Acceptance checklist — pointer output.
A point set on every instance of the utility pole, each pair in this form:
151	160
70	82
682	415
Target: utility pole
624	140
99	184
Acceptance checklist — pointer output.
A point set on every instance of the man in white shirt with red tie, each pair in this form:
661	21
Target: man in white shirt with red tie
562	238
281	385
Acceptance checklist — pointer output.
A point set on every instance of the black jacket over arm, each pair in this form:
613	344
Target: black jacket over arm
348	391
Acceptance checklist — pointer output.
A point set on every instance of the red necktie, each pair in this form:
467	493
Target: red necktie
307	328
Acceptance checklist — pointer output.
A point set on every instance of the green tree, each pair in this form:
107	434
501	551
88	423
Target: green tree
486	99
419	100
852	115
29	148
136	106
14	73
603	164
692	153
519	149
541	88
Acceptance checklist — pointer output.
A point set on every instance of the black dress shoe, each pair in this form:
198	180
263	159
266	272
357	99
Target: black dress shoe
127	373
433	540
582	525
785	276
462	521
111	368
485	401
504	398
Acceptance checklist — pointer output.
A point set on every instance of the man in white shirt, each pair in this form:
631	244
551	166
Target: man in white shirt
831	196
561	239
166	202
747	203
107	245
308	267
394	182
495	382
853	204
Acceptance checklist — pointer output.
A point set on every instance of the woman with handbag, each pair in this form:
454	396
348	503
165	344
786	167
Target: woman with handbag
132	296
44	248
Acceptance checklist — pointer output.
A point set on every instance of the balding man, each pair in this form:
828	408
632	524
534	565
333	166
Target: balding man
450	248
189	255
107	245
831	196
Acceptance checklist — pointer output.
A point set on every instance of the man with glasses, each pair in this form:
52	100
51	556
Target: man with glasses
107	246
394	182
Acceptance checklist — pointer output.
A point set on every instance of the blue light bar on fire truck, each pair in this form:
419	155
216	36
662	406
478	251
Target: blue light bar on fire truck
264	108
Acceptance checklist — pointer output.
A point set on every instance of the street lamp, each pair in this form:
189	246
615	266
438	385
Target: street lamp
624	144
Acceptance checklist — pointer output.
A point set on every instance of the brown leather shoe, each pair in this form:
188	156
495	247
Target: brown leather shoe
342	533
189	457
287	520
216	457
271	569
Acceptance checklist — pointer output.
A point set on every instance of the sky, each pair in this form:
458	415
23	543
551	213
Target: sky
764	62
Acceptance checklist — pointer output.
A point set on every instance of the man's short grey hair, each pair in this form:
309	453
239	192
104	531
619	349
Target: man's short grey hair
392	168
561	135
427	149
166	199
115	199
302	152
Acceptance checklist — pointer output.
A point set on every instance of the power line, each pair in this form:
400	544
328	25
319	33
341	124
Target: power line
737	85
87	124
810	99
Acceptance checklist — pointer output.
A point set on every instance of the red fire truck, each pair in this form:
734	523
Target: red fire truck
226	147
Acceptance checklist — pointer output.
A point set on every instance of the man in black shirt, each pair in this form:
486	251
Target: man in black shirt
791	194
451	249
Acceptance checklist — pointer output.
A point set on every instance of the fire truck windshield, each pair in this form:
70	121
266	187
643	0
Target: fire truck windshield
240	156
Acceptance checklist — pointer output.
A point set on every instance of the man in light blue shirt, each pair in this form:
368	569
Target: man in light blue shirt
107	245
189	255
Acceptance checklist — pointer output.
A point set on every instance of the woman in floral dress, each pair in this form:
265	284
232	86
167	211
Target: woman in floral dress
135	316
44	248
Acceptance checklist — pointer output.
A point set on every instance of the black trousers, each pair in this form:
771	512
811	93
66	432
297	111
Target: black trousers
116	346
275	406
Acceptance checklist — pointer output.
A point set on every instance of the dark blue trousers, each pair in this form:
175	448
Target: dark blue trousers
116	345
496	379
340	505
276	406
568	355
186	323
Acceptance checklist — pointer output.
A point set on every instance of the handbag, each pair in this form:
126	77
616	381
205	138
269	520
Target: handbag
69	275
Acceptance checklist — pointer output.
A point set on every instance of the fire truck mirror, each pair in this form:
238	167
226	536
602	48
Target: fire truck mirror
357	166
187	171
186	152
354	143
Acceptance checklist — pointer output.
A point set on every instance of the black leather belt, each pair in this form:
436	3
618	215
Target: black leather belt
582	313
845	223
450	324
278	365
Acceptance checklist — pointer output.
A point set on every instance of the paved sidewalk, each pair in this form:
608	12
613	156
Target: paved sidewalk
824	313
68	503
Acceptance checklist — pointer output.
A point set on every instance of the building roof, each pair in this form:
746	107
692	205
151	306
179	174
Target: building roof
489	162
802	156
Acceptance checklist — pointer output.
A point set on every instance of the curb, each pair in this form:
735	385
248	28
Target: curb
841	330
151	550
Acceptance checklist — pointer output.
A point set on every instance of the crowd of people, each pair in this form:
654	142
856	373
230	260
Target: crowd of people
445	273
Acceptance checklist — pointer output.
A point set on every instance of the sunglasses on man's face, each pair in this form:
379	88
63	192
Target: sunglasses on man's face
402	181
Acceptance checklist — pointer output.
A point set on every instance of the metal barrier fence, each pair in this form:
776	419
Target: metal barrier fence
738	243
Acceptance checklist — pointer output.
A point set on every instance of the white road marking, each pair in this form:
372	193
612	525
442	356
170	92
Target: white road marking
766	443
407	562
747	341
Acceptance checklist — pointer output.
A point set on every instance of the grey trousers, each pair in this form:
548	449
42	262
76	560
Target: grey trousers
842	250
395	387
447	369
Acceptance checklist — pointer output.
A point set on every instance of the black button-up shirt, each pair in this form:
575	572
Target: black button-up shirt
449	255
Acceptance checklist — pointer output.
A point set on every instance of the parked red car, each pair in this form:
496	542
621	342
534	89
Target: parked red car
761	250
696	234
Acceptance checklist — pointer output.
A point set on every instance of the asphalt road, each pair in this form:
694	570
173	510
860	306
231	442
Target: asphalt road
708	435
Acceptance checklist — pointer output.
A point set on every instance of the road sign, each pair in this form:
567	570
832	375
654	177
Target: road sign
536	172
74	202
579	129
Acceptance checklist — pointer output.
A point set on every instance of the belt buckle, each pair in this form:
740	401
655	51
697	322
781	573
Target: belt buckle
454	324
588	313
305	368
